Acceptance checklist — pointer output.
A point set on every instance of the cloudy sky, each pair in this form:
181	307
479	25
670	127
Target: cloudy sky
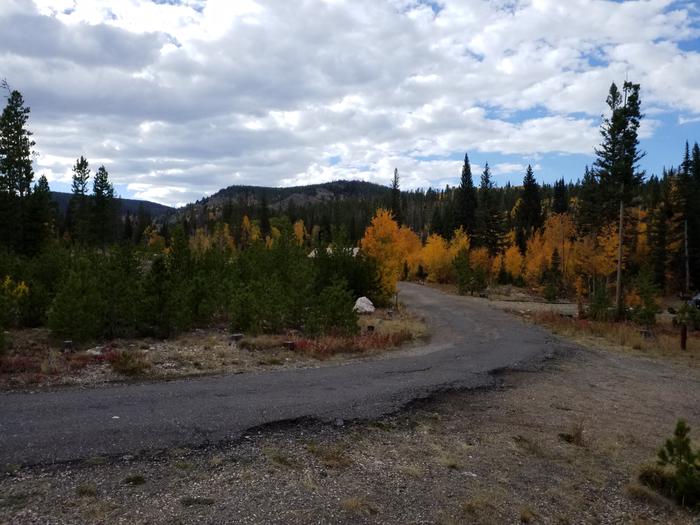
178	98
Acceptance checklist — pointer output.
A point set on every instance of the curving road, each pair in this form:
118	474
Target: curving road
470	340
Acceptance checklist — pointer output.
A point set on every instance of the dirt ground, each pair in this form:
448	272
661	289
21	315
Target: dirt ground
560	444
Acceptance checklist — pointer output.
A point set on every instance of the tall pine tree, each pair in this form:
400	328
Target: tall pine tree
104	212
560	201
490	223
16	173
466	200
616	163
528	216
79	212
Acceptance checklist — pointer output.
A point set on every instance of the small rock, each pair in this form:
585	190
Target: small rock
339	422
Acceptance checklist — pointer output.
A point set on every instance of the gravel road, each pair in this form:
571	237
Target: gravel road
470	340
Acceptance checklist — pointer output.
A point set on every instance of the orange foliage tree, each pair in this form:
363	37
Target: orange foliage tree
382	242
558	232
436	259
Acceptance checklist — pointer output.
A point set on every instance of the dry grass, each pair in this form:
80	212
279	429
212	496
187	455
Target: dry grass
279	458
128	363
663	340
358	506
330	456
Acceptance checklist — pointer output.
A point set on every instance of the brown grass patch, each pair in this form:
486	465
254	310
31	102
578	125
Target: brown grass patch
664	340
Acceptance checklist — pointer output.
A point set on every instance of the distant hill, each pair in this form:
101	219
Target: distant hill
297	195
130	206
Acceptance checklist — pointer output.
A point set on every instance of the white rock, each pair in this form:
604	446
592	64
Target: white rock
363	306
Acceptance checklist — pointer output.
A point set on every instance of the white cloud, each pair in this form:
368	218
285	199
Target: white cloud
180	100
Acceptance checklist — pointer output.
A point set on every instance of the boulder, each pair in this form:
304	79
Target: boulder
363	306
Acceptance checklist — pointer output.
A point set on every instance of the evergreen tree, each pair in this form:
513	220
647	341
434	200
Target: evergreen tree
616	162
684	208
104	211
560	202
79	206
16	173
528	217
466	202
40	216
81	176
436	222
588	205
490	225
694	217
396	198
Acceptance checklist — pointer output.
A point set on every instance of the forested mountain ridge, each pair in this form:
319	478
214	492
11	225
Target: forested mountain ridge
126	206
282	197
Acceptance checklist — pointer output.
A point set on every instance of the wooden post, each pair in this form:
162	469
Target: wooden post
684	336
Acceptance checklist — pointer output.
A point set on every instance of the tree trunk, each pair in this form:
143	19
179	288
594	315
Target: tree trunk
618	289
687	258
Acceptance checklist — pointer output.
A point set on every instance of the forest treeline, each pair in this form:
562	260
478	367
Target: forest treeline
615	237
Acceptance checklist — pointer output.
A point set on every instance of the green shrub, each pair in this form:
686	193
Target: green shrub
332	312
469	279
679	475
